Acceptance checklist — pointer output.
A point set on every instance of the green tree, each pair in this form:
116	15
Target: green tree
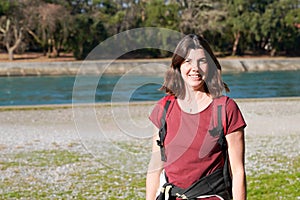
4	7
118	15
238	19
159	14
87	33
292	20
199	16
206	18
278	24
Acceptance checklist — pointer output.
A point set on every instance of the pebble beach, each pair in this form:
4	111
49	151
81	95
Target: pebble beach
112	137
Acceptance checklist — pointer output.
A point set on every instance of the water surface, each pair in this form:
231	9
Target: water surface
59	89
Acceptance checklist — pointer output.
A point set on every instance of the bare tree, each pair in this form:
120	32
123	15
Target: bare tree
12	29
48	26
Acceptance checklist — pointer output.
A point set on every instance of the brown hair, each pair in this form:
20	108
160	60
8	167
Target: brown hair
173	82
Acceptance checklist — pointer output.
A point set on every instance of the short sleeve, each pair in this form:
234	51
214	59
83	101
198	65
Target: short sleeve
235	119
156	113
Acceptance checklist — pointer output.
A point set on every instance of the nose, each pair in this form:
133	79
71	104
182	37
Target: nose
195	66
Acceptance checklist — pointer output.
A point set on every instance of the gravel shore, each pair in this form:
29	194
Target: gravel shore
120	135
273	126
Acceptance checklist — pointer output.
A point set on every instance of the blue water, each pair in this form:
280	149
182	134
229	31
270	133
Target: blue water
59	89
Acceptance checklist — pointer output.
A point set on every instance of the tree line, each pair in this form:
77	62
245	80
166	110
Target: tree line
232	27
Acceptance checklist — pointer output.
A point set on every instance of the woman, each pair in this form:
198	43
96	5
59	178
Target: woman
194	87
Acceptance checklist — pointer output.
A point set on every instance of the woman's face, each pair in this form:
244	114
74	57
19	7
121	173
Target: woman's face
194	69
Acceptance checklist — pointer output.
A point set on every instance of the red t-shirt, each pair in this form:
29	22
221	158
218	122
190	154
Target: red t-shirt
191	151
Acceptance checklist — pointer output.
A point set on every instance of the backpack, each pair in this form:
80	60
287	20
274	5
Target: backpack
219	182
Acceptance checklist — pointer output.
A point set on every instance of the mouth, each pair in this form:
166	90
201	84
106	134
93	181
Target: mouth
195	76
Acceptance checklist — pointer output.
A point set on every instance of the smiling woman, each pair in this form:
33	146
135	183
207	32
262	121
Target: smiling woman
194	145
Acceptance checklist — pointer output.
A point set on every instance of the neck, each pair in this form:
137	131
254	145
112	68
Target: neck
195	101
195	95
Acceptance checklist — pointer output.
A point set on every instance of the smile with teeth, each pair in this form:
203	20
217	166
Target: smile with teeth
195	76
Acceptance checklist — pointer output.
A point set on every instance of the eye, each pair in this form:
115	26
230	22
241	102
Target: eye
202	61
187	60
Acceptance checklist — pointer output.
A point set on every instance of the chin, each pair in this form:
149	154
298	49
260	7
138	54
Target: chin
197	86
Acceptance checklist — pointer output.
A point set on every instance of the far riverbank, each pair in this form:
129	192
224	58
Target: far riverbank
140	66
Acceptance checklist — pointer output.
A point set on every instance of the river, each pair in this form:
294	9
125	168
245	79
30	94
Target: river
40	90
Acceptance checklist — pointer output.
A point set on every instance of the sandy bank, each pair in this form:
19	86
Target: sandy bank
151	67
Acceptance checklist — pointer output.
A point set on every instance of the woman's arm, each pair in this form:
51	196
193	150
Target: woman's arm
154	169
236	152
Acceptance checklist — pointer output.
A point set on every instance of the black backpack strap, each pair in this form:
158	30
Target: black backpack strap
219	130
222	139
163	131
223	143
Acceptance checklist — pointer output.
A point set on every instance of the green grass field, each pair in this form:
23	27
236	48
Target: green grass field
62	174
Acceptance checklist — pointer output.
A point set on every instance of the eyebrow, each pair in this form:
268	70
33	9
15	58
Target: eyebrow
201	59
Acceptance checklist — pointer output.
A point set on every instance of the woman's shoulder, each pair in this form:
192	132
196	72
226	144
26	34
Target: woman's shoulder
222	99
231	104
166	98
159	108
226	100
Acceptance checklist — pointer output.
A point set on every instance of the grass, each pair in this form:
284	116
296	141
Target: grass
62	174
39	159
284	184
274	186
